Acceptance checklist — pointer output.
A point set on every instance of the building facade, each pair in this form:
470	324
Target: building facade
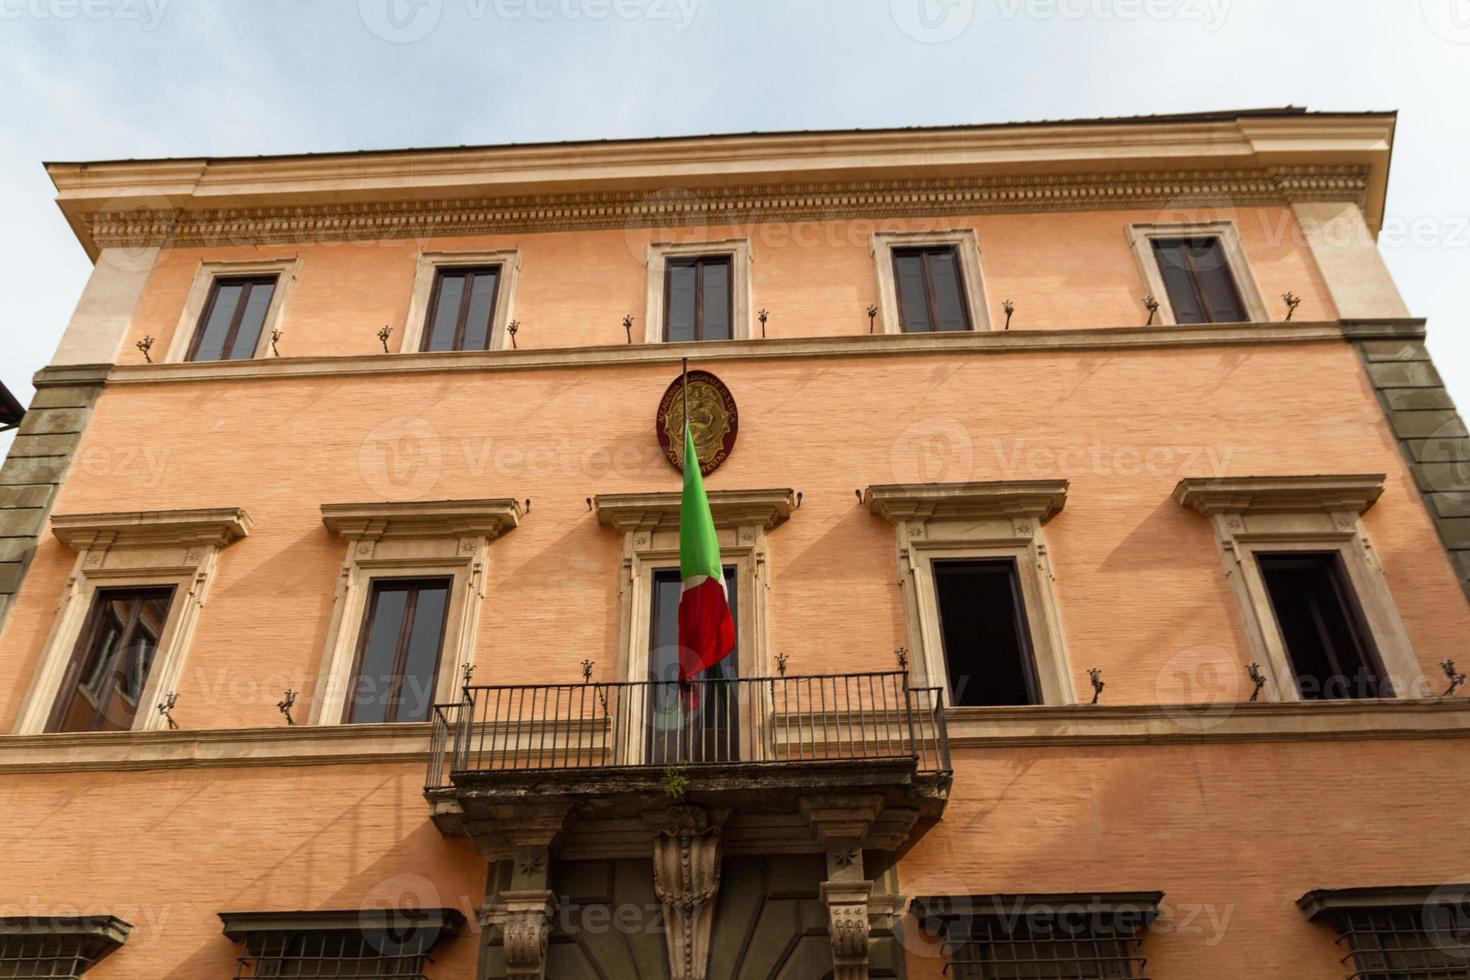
1094	520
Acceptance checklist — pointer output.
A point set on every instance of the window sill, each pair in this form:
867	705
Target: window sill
1288	721
210	748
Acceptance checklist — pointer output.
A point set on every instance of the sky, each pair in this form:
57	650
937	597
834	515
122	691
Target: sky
107	79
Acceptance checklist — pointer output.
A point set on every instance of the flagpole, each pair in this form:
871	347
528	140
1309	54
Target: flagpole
685	385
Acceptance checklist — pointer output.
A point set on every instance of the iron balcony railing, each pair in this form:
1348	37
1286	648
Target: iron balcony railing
746	720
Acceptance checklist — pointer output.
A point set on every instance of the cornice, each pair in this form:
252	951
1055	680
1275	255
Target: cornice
436	518
427	925
731	508
1331	901
1280	494
217	527
842	346
174	220
1037	499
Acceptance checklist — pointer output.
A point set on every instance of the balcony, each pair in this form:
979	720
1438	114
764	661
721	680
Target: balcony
753	746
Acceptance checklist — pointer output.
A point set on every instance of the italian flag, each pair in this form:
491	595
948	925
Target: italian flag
706	631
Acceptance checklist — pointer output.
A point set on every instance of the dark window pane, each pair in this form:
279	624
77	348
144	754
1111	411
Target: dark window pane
913	301
715	300
398	652
220	314
109	669
987	645
252	318
948	294
444	319
1326	639
1197	277
682	285
421	663
481	309
697	723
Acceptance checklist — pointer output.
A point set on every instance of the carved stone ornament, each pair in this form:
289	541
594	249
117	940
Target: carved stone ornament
712	416
686	878
848	926
524	918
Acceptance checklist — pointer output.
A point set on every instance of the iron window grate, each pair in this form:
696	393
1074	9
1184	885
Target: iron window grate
51	957
334	954
994	949
1409	943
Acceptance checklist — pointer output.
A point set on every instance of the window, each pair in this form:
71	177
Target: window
1397	933
393	943
1313	595
1042	937
398	651
698	291
697	299
982	617
987	644
930	281
704	717
57	948
462	311
930	294
1331	653
109	669
1197	271
1198	280
234	317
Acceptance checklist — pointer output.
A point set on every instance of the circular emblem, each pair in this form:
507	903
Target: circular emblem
712	417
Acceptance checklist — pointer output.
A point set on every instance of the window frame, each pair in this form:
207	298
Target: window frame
80	941
1016	587
1343	909
179	549
71	681
407	540
655	309
249	283
966	245
697	262
1000	520
375	587
427	267
470	273
924	253
1141	236
186	334
1278	515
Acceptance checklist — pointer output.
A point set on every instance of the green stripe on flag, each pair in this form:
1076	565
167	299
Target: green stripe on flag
699	549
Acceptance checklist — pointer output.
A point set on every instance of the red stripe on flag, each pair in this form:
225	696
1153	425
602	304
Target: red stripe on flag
706	631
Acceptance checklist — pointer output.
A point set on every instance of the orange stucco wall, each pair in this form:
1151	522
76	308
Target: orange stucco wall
816	278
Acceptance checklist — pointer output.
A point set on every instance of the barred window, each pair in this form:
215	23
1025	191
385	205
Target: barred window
1042	937
380	943
57	948
1400	933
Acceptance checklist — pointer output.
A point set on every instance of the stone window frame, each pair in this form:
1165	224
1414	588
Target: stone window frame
426	273
178	548
966	243
1000	519
1302	513
286	269
82	939
656	261
1141	235
649	523
411	539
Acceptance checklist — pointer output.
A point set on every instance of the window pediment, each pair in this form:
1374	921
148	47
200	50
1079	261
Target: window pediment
423	519
1353	493
1038	499
660	511
213	527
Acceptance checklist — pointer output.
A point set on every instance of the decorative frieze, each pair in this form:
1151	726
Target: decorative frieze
734	205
